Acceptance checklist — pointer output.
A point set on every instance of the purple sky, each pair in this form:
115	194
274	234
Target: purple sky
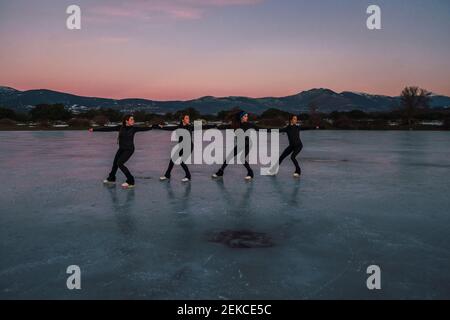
183	49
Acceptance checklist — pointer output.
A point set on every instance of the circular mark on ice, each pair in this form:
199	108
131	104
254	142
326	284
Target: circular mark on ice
242	239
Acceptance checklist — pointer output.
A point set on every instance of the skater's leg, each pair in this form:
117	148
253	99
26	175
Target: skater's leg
285	153
294	154
227	160
249	169
186	170
125	156
112	174
274	169
184	166
171	165
169	169
246	165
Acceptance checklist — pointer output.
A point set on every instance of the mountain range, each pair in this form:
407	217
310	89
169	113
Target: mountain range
325	99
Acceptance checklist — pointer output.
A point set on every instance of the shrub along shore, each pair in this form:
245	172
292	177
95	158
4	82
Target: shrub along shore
57	117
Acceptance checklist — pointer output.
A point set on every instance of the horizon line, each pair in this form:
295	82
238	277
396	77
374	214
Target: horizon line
212	96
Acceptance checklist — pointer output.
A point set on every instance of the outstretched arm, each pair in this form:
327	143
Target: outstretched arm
142	129
283	130
280	130
257	128
105	129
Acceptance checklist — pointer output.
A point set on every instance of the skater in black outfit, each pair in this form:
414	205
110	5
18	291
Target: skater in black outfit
126	148
241	122
185	124
294	148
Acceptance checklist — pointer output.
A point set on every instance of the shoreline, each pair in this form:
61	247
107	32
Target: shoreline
167	129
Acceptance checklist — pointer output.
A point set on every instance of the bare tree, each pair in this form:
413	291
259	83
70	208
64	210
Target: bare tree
413	99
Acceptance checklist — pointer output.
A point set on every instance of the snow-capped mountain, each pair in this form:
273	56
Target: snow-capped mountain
325	99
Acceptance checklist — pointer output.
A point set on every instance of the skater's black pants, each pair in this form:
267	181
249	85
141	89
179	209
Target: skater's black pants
183	165
293	151
122	156
235	152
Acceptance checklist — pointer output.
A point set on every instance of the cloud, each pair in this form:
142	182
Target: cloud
175	9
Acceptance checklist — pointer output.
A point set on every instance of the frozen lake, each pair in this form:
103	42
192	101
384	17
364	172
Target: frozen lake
365	198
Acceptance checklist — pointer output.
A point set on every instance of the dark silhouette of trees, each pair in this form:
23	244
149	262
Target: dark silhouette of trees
7	114
139	116
415	108
169	116
228	115
222	115
413	99
112	115
344	122
99	115
274	118
354	115
193	114
7	123
275	114
101	120
357	115
79	123
446	124
50	112
314	115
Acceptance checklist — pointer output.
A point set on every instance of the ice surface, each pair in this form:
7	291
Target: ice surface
364	198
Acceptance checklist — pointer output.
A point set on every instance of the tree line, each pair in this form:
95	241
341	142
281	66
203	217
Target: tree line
414	109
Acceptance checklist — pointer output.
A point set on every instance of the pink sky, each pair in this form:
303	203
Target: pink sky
184	49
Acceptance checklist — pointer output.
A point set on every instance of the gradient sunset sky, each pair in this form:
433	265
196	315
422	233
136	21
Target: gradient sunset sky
184	49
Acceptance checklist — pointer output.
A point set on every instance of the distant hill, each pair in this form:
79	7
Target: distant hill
325	99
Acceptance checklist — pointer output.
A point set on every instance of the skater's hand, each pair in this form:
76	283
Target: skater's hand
91	130
161	126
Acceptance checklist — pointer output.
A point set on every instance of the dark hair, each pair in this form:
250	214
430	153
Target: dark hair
124	124
291	116
182	118
237	119
125	119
